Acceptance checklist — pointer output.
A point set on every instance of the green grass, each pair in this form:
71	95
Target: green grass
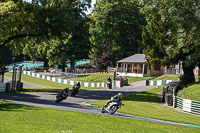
135	79
192	92
49	86
146	104
167	77
25	119
95	77
102	77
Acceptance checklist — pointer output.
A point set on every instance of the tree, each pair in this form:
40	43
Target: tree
29	26
71	45
171	34
115	30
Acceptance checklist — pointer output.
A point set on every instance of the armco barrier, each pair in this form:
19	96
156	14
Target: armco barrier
159	82
65	81
187	105
5	87
2	87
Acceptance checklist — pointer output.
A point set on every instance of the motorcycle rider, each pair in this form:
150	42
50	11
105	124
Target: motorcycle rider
75	89
77	86
109	79
109	82
64	91
114	98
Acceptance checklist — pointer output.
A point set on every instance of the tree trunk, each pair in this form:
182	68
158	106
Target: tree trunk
198	72
188	76
72	65
63	67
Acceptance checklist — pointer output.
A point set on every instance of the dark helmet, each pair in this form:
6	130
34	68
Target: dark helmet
78	84
67	89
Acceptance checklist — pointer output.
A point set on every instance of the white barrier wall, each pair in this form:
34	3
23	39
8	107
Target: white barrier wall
70	82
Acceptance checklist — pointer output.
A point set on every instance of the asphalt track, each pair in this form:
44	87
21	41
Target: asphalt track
80	102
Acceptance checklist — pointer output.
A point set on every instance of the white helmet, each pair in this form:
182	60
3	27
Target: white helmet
120	94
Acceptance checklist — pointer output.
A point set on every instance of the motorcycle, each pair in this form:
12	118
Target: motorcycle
75	91
109	84
111	107
61	96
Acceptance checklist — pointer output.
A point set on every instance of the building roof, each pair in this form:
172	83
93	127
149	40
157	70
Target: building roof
136	58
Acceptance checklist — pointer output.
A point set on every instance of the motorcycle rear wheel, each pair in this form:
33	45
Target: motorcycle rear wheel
58	100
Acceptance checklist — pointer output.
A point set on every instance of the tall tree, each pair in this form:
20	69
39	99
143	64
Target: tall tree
27	26
71	45
115	30
172	34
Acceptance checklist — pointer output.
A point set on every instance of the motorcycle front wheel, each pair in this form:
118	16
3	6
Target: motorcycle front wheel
113	109
103	110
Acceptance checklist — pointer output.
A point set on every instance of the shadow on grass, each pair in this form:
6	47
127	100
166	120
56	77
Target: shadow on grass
40	90
83	75
143	97
5	106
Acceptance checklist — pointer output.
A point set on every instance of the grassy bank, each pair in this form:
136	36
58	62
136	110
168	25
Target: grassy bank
147	104
167	77
192	92
24	119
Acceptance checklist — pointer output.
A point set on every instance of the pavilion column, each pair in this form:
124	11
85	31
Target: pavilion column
117	66
126	70
132	68
143	69
124	67
137	68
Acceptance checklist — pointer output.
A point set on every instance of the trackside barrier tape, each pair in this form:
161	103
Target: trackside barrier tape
151	119
70	82
187	105
159	82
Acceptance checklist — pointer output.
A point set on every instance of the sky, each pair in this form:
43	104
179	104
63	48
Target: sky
93	2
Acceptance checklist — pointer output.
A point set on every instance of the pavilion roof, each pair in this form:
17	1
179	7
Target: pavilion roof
136	58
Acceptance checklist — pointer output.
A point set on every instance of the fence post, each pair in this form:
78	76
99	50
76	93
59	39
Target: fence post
174	98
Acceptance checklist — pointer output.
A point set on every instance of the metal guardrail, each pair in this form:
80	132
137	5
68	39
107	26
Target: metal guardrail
159	82
171	99
187	105
2	87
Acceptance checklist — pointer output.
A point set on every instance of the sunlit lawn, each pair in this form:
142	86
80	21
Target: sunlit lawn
24	119
147	104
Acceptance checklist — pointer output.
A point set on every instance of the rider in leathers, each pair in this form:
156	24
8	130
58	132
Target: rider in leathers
114	98
64	91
